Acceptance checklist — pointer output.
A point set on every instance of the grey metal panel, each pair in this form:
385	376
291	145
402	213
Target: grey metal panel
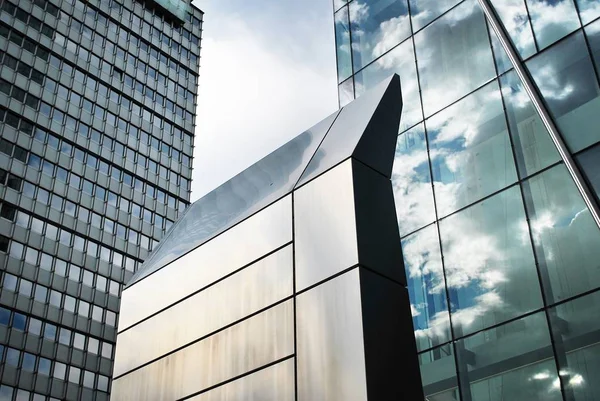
366	129
330	351
325	226
242	244
256	187
376	223
275	383
388	339
256	342
250	290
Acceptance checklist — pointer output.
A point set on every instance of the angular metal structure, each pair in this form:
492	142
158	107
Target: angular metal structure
285	283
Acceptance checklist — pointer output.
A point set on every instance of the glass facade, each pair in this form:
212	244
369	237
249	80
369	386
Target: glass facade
500	247
97	104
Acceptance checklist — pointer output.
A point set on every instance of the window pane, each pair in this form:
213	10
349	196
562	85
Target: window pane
489	263
427	288
346	92
534	150
565	235
552	20
592	32
376	26
511	362
578	344
513	14
454	56
425	11
411	181
438	374
342	40
470	150
590	162
566	78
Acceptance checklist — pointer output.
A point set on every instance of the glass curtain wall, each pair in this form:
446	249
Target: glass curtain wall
502	254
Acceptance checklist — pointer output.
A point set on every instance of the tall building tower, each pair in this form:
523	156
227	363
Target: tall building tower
97	104
496	181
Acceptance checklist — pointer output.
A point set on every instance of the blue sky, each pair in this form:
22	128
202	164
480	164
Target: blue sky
267	73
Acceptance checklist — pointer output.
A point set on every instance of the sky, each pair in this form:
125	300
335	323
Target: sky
267	72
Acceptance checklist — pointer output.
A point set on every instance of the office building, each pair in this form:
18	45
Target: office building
97	104
496	182
286	282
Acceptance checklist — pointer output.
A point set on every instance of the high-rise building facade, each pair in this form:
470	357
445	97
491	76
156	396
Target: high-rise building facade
496	182
97	104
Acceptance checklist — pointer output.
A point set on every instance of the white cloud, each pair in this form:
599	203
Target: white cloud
358	12
553	20
264	78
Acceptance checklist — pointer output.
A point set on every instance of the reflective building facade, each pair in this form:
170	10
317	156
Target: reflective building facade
496	183
97	104
286	282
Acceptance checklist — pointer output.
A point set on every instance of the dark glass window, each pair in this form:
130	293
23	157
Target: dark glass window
14	182
8	212
4	242
20	154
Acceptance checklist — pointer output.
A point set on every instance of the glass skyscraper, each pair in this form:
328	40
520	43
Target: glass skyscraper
496	182
97	104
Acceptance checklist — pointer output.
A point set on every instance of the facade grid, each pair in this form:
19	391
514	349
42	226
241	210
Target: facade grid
97	117
500	248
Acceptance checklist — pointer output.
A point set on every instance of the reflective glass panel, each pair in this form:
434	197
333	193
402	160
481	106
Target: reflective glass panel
425	11
552	20
590	163
489	263
511	362
577	339
426	288
470	150
503	63
534	149
338	3
566	78
565	235
513	14
411	181
592	32
400	60
438	374
346	92
454	56
342	41
377	26
589	10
